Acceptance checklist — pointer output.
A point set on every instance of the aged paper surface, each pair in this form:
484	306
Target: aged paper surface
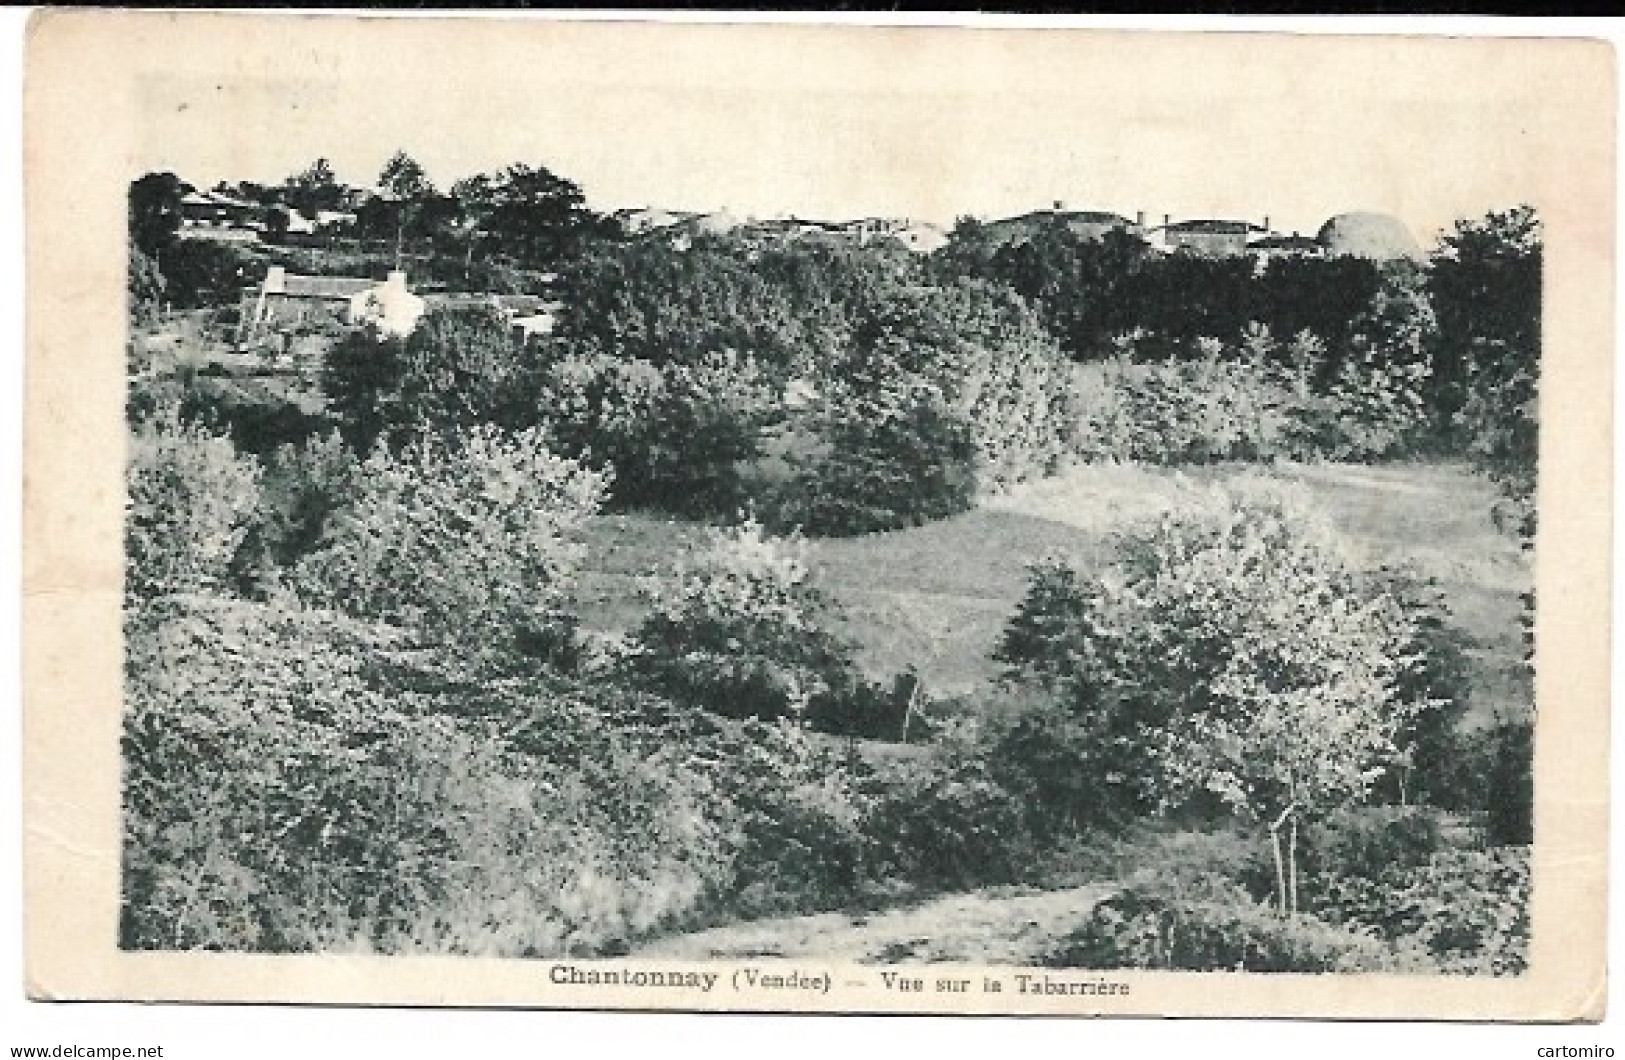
102	87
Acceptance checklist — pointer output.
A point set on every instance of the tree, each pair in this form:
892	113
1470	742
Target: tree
405	186
533	215
460	368
1485	282
1232	659
315	189
155	211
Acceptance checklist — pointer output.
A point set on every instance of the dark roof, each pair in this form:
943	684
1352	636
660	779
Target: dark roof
333	287
1091	217
1284	243
521	304
1210	227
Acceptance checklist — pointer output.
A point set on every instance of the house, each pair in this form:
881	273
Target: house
1209	238
212	215
1087	224
921	237
1273	245
284	302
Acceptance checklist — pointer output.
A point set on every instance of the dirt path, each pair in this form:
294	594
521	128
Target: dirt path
981	928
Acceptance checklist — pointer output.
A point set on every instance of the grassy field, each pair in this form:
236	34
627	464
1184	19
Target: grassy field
938	596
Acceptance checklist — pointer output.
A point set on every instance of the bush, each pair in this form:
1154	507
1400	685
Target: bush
1370	842
460	368
1207	923
332	809
303	486
795	813
472	543
199	274
1469	909
1229	656
1201	411
951	822
192	502
741	631
944	393
144	285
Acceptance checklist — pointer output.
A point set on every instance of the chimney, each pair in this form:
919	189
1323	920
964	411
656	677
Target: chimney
276	280
1167	219
1059	205
1139	218
1266	222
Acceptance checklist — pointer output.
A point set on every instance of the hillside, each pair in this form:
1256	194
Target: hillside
937	596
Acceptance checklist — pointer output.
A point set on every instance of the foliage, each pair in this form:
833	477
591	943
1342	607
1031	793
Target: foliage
1256	401
459	368
1510	795
303	486
331	810
471	542
531	214
1468	909
191	505
951	822
740	630
795	812
647	301
314	189
199	273
144	285
1209	924
1230	657
1485	282
155	211
944	391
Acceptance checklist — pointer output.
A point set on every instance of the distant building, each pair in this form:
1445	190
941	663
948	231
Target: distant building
529	315
1210	238
1087	224
212	215
1273	245
285	301
921	237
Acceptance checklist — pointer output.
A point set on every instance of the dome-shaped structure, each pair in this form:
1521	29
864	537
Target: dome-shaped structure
1368	235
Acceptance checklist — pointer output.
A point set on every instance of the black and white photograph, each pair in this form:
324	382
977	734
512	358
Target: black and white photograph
729	516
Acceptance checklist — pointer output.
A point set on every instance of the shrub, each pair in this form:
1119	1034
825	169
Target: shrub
331	810
303	486
191	505
1469	909
198	273
1202	410
950	821
1231	657
472	543
795	813
741	631
1207	923
144	285
460	368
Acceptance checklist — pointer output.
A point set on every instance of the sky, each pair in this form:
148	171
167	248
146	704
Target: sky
855	121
